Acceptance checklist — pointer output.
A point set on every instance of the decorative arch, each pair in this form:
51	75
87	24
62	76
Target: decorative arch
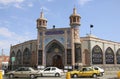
54	43
97	55
118	56
54	51
26	56
19	57
109	56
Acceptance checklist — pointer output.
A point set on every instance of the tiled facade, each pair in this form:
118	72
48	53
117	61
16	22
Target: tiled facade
100	52
29	58
63	47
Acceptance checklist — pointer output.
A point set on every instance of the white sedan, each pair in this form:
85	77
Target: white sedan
52	71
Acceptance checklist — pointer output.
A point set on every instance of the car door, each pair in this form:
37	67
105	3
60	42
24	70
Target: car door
89	72
83	72
18	72
26	72
46	72
53	71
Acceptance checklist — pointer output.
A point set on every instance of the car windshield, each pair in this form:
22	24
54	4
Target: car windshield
47	69
31	69
19	69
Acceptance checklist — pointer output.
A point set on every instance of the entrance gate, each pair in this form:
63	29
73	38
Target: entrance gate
57	61
55	54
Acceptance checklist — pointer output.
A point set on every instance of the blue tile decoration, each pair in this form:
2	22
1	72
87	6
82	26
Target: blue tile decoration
55	32
61	39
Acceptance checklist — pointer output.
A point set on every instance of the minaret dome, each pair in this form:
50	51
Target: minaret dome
75	18
41	22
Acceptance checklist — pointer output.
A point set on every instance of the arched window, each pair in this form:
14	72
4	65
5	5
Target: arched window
26	57
13	54
97	55
74	19
78	19
19	58
118	56
109	56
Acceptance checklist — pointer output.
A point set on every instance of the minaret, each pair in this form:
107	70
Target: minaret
75	23
41	27
75	18
76	46
41	22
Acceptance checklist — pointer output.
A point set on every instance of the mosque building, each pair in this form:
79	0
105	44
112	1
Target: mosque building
64	48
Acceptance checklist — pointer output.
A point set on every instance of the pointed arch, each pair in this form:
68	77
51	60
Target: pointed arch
53	49
13	54
97	55
109	56
19	57
118	56
54	44
26	57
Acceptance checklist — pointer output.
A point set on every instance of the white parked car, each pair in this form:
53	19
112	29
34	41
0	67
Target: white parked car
100	69
52	71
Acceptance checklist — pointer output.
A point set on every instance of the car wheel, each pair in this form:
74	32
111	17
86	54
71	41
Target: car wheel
94	75
41	75
57	75
32	76
11	76
101	74
75	75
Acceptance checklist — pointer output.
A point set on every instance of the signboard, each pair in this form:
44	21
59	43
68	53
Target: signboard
13	59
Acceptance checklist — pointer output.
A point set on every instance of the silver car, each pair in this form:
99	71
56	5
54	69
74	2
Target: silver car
52	71
24	72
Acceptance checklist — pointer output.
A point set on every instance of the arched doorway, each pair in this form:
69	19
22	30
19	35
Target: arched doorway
57	61
55	54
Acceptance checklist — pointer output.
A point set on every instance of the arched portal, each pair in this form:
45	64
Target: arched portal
57	61
55	54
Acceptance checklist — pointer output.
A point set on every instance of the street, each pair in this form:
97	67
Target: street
107	75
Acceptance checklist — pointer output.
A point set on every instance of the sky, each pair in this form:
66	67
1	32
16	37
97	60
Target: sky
18	19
